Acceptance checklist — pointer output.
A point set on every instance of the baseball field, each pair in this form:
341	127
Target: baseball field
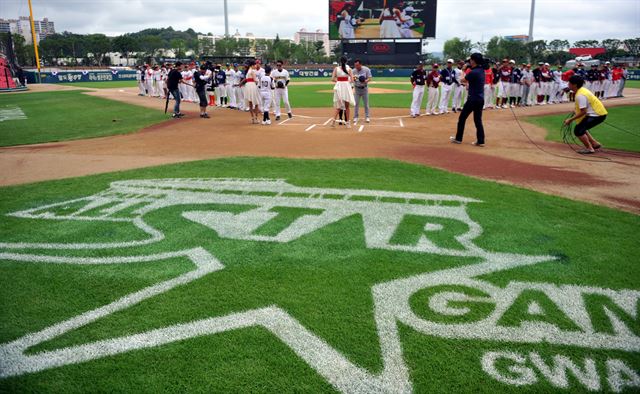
142	254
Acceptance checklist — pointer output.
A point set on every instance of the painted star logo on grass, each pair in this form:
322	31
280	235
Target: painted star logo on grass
459	304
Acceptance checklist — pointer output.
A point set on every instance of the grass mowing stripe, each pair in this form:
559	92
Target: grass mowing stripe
68	115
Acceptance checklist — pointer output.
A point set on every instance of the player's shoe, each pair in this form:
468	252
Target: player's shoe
454	140
290	115
268	122
205	116
348	124
277	118
368	120
355	120
454	110
475	143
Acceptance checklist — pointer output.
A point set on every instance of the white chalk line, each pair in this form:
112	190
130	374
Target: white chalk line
327	122
360	129
284	121
310	127
401	122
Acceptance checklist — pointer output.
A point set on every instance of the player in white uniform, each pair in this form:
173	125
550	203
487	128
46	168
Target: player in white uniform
347	25
281	79
141	88
149	80
228	86
157	80
266	87
405	27
238	76
458	89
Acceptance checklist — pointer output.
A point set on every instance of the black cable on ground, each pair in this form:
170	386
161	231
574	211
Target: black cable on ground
565	139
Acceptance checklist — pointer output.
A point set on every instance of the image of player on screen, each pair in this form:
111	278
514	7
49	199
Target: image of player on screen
347	23
375	19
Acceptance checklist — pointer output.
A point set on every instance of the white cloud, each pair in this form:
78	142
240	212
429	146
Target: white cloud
474	19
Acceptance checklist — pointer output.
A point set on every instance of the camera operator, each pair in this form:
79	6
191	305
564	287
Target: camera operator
362	76
475	79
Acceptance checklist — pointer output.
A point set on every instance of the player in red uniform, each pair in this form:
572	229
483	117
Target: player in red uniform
489	87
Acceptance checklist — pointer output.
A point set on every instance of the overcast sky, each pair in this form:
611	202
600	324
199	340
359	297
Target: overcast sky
473	19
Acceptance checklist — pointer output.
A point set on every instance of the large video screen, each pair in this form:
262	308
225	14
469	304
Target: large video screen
375	19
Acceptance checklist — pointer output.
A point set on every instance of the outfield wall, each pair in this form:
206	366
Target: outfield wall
114	75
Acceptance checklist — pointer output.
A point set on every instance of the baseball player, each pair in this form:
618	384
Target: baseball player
266	87
515	88
149	79
489	88
433	81
221	91
527	82
617	75
362	76
157	79
592	79
406	14
281	79
606	83
237	87
504	84
446	87
547	83
228	85
418	80
458	88
140	80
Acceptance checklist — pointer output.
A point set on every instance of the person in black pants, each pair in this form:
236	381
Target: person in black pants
475	102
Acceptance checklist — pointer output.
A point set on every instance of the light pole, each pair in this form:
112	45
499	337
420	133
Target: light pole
533	11
226	19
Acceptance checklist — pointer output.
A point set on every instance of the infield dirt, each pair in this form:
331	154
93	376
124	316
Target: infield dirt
609	178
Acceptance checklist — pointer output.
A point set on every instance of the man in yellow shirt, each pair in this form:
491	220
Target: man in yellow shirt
589	113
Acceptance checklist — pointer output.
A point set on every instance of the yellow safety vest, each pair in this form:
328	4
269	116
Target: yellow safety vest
593	101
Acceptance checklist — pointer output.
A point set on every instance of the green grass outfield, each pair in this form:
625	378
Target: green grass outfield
67	115
103	85
324	281
625	118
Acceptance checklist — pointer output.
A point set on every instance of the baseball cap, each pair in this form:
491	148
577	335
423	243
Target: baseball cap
450	61
607	63
546	64
540	63
512	61
436	65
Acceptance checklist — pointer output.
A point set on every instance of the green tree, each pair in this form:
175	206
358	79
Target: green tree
125	44
457	49
150	45
536	50
586	44
99	45
179	47
633	46
494	48
558	45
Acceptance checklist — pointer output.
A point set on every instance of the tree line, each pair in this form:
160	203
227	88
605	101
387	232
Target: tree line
552	52
147	45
